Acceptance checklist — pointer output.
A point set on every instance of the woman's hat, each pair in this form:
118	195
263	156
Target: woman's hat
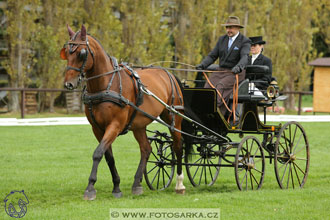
257	40
233	21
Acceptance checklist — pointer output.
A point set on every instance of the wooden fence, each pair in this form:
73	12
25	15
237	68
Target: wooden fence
28	103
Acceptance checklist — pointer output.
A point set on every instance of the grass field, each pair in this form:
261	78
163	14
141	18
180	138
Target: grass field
52	165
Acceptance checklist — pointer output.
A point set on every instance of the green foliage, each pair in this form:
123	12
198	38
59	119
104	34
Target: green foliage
20	30
144	32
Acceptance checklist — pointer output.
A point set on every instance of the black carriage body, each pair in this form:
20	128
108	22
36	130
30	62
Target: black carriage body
203	103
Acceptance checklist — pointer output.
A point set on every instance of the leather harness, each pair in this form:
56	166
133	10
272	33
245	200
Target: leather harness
92	99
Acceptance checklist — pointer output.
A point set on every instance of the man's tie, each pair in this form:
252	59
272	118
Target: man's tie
230	42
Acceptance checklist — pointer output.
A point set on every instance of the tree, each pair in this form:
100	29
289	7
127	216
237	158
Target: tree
289	33
21	17
51	30
144	33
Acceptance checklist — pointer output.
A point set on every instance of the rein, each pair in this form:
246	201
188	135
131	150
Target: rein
175	69
103	74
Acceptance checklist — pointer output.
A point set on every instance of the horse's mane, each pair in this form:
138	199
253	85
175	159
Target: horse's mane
100	45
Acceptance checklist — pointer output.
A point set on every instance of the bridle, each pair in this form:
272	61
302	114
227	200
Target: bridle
83	55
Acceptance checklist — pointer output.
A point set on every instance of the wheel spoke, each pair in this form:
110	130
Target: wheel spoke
158	179
294	166
197	169
254	155
200	178
246	182
292	177
286	163
210	169
301	159
251	146
287	185
286	166
167	174
299	168
294	136
286	141
297	142
258	170
290	140
163	178
244	177
154	154
157	173
257	161
197	161
152	169
255	179
286	151
251	179
302	148
205	172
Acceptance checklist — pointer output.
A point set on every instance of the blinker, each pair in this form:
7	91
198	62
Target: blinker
82	54
63	54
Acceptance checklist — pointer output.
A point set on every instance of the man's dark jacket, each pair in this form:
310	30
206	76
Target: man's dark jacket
236	55
262	60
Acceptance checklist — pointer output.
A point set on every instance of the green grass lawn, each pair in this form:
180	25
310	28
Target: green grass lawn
52	165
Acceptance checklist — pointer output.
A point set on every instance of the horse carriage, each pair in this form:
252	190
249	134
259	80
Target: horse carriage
118	98
212	148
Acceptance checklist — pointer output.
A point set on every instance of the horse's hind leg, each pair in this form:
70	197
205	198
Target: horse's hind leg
115	177
145	149
177	147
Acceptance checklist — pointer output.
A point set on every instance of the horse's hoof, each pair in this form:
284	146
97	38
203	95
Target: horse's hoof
90	195
180	191
117	194
137	190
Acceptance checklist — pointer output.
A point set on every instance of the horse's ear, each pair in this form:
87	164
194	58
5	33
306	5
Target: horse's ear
83	32
71	32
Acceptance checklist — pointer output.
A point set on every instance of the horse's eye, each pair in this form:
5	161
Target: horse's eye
82	55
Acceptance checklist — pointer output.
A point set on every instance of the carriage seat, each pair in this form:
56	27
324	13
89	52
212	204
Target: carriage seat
246	95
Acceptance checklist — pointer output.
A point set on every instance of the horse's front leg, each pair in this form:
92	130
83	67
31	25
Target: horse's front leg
108	137
115	177
145	149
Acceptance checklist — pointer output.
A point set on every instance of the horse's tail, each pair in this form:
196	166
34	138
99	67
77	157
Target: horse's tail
186	126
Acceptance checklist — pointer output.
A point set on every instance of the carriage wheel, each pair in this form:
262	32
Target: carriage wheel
249	164
161	163
203	165
291	156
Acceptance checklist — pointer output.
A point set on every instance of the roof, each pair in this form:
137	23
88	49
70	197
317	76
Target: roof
325	61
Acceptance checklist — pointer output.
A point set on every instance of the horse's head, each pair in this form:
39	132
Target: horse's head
79	56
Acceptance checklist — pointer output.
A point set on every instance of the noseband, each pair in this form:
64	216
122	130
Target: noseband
73	45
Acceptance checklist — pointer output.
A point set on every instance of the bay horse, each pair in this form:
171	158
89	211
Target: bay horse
115	102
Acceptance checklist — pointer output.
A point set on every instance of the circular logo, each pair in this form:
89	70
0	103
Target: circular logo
114	214
15	204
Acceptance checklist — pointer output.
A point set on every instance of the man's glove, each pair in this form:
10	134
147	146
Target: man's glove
200	67
236	69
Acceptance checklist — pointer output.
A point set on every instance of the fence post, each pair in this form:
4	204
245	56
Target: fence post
22	103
